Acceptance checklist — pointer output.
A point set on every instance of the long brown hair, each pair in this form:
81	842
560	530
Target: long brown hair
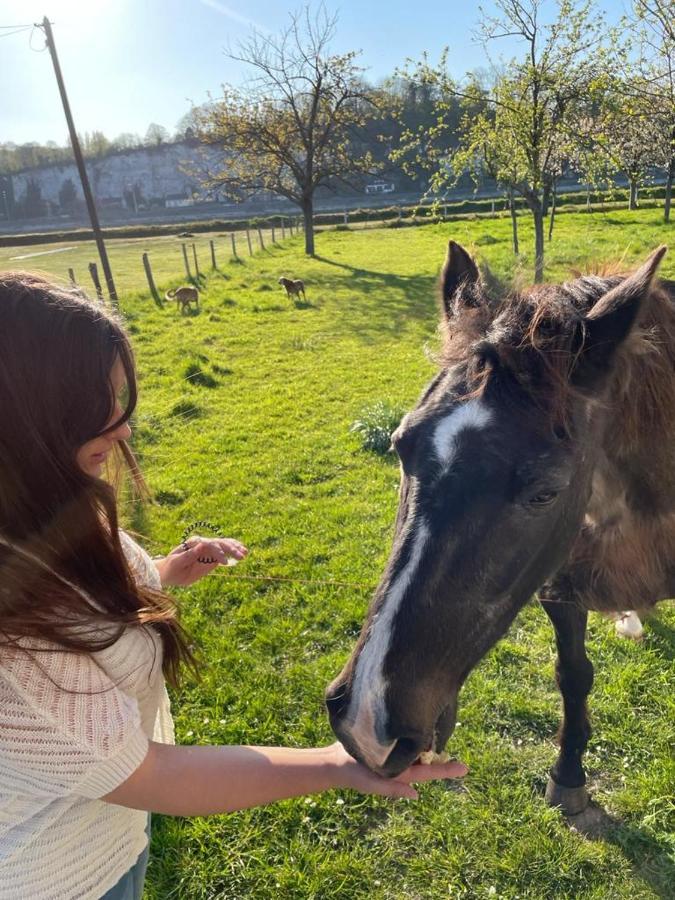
64	577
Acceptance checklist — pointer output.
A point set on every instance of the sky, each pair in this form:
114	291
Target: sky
127	63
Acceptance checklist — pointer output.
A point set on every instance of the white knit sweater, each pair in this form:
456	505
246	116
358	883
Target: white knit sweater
71	731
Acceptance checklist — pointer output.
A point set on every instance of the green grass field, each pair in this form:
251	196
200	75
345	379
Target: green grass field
259	444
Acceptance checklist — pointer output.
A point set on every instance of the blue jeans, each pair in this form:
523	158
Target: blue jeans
130	885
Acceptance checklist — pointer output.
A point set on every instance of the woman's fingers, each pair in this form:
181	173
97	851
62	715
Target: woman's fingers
218	549
396	790
233	548
419	773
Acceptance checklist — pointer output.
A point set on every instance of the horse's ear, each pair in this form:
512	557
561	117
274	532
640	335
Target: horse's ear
459	281
609	322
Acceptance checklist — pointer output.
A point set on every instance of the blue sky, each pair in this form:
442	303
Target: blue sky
131	62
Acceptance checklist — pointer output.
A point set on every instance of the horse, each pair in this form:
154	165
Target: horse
537	462
293	287
184	296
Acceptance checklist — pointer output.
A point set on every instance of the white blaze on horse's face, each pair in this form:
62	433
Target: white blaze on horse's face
369	688
472	414
366	719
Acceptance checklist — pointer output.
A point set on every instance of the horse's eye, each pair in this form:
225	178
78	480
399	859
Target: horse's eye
544	498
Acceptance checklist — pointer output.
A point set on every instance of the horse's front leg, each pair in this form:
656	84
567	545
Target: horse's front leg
574	675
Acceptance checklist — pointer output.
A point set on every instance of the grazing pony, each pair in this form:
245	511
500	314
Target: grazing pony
293	287
538	460
184	296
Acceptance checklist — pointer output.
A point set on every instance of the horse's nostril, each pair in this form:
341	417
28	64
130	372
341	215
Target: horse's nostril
337	700
407	747
405	752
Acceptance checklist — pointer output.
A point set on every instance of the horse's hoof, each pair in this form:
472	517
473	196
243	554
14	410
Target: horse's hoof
571	801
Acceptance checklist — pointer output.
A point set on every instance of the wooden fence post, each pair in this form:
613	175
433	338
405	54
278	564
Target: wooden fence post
283	229
151	280
346	217
234	245
194	253
93	271
260	238
187	264
71	275
248	238
213	255
274	238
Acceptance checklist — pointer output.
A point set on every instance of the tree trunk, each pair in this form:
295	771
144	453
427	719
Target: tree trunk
514	222
669	189
308	215
552	219
538	215
546	200
632	203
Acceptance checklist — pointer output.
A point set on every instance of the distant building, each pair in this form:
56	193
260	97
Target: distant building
136	179
380	187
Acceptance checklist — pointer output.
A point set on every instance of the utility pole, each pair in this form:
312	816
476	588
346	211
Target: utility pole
79	161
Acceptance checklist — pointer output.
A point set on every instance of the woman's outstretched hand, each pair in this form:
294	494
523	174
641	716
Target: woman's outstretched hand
196	558
356	776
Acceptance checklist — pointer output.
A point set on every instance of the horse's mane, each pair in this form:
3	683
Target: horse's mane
528	343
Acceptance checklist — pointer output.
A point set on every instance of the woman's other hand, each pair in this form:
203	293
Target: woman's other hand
196	558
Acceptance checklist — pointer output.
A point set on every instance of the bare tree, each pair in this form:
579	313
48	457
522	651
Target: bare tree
296	125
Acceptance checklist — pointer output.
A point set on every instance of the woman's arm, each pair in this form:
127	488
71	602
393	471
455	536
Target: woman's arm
200	781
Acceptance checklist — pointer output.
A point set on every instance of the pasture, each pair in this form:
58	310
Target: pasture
244	421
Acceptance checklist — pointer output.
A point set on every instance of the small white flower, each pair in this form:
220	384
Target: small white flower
308	800
306	819
206	721
223	721
493	891
189	734
341	802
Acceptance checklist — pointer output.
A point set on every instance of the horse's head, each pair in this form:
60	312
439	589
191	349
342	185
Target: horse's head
496	465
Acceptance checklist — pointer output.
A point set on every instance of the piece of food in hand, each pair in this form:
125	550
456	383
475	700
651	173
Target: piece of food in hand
431	758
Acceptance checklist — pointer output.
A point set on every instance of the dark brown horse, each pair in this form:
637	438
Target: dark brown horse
538	460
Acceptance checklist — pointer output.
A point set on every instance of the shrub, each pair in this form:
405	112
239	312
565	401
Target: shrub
376	424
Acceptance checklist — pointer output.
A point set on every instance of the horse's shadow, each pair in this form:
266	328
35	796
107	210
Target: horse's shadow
663	636
649	859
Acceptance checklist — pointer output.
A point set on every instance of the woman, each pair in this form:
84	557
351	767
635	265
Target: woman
87	635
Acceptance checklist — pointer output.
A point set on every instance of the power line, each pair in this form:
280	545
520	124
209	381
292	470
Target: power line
18	30
30	41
